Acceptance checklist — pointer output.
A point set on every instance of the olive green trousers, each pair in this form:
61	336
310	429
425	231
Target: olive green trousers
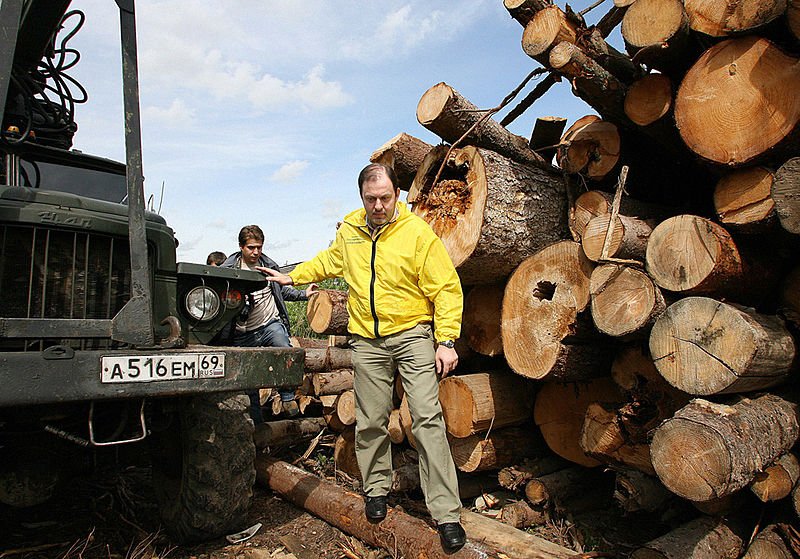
374	362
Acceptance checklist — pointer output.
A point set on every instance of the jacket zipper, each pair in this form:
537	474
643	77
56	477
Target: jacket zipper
372	286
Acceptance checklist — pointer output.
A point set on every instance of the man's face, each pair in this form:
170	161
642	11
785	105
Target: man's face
379	200
251	251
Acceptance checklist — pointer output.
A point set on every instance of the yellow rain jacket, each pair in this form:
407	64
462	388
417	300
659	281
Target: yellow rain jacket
399	279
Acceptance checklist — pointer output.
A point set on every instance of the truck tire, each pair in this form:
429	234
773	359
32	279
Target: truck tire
204	467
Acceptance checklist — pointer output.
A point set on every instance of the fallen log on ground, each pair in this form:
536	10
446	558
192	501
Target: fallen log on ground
287	431
702	538
399	533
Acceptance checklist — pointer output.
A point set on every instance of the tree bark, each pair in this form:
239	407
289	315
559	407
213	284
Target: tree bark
483	307
702	538
497	449
327	312
399	533
709	450
719	19
544	337
726	105
443	111
743	200
508	541
328	359
403	153
477	402
786	195
625	301
703	346
777	479
482	209
560	410
332	382
628	238
590	147
591	82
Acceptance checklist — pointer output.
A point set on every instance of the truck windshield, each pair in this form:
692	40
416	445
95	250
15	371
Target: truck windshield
72	171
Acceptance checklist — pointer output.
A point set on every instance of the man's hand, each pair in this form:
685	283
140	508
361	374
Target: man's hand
446	360
275	275
312	289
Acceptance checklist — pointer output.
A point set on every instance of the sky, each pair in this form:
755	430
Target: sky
263	112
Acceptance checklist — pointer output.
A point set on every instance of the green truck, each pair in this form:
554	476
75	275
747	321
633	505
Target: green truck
106	340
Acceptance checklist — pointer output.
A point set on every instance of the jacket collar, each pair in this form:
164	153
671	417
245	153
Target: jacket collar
358	218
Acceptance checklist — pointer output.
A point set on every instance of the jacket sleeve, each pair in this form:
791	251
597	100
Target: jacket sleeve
326	264
291	294
440	284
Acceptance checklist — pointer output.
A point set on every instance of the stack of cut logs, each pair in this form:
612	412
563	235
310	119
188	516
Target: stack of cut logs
632	282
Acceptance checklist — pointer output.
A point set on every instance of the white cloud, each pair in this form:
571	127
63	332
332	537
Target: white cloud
290	171
177	115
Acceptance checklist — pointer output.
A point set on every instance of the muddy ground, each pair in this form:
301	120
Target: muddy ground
108	511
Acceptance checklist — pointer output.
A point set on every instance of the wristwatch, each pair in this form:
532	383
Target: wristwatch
448	343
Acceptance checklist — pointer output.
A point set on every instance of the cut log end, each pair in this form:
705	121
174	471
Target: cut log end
433	102
733	85
744	197
648	99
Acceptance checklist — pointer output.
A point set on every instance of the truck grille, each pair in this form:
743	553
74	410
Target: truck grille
48	273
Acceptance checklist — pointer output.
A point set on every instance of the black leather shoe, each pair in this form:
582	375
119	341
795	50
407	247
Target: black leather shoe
452	535
375	508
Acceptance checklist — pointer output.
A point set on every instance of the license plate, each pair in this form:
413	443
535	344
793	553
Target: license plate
153	368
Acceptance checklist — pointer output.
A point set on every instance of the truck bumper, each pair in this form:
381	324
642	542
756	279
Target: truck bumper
49	377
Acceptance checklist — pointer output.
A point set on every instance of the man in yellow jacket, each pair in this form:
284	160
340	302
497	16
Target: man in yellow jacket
403	286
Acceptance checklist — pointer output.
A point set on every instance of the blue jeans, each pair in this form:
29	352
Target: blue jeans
272	334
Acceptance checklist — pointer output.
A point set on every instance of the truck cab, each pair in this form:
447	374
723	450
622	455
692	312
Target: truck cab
106	340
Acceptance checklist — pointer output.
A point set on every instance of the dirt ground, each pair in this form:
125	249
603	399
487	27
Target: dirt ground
110	513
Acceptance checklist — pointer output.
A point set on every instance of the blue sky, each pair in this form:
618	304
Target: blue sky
263	112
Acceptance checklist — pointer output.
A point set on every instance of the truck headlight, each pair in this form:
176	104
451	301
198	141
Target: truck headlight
202	303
